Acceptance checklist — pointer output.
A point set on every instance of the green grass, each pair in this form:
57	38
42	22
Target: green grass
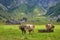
12	32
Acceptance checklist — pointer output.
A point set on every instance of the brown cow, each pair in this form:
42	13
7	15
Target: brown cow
27	28
49	27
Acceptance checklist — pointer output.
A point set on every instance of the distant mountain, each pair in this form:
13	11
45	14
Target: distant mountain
54	11
15	3
3	7
20	12
16	9
48	3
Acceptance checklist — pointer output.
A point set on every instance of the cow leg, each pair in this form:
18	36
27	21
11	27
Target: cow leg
23	31
30	31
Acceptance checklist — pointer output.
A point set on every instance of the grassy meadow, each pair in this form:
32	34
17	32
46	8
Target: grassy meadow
12	32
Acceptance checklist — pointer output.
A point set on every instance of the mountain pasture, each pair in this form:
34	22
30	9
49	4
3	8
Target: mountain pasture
12	32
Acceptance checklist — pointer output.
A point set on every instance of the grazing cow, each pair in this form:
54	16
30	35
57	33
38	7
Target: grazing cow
49	28
27	28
